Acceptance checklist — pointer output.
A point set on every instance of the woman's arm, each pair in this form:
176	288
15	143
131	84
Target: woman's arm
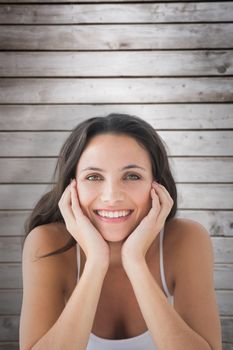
46	323
193	323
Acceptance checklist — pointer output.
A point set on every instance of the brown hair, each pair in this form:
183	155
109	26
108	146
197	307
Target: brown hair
47	210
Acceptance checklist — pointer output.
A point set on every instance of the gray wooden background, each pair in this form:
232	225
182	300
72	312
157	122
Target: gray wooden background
170	63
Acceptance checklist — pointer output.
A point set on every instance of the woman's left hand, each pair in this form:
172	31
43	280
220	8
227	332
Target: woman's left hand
136	245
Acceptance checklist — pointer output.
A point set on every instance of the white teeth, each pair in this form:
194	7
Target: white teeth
111	214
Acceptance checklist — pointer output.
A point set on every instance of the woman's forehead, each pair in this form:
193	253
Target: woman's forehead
120	150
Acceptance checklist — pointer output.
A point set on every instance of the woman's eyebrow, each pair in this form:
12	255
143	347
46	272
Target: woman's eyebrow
130	166
92	168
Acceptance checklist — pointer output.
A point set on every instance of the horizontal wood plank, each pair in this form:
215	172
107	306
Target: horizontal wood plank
227	346
11	275
227	326
225	302
192	169
9	328
223	249
213	196
223	276
116	90
115	37
83	1
11	249
12	222
200	169
124	13
177	143
205	196
160	116
101	64
218	223
11	300
15	346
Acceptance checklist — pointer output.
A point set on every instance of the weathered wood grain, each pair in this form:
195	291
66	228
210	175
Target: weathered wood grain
124	13
177	143
160	116
223	276
227	346
26	170
115	37
123	64
12	222
116	90
13	346
83	1
227	334
225	302
11	275
190	169
190	196
9	328
10	301
206	196
194	169
77	1
218	223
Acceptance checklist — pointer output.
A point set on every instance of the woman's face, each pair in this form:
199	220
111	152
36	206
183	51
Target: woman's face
113	190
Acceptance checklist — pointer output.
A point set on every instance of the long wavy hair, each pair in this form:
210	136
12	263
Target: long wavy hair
47	211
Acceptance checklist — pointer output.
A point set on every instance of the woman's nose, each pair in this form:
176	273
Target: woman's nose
112	193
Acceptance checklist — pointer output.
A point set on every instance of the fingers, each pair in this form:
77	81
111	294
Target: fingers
161	190
155	198
77	211
65	205
165	199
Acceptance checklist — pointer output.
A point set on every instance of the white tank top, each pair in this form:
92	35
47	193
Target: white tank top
140	342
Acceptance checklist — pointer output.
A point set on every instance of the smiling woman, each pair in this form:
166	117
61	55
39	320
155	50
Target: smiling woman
119	193
99	282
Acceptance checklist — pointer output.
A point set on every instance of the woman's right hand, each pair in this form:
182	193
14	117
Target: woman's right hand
81	228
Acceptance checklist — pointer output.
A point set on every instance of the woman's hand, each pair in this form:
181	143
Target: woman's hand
138	242
81	228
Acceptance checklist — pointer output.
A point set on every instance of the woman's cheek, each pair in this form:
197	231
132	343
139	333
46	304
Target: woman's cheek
146	202
84	196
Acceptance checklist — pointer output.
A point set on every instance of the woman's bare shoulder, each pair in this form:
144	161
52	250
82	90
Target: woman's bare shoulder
45	239
182	236
181	228
183	225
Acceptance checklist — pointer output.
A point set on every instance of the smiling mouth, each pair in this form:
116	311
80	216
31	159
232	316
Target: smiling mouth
113	216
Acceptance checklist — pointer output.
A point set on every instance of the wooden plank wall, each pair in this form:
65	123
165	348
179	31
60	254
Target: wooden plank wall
169	62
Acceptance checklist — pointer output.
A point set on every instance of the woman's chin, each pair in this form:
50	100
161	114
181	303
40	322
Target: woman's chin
114	237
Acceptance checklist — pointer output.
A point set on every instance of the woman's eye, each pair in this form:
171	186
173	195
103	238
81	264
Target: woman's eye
134	176
93	177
